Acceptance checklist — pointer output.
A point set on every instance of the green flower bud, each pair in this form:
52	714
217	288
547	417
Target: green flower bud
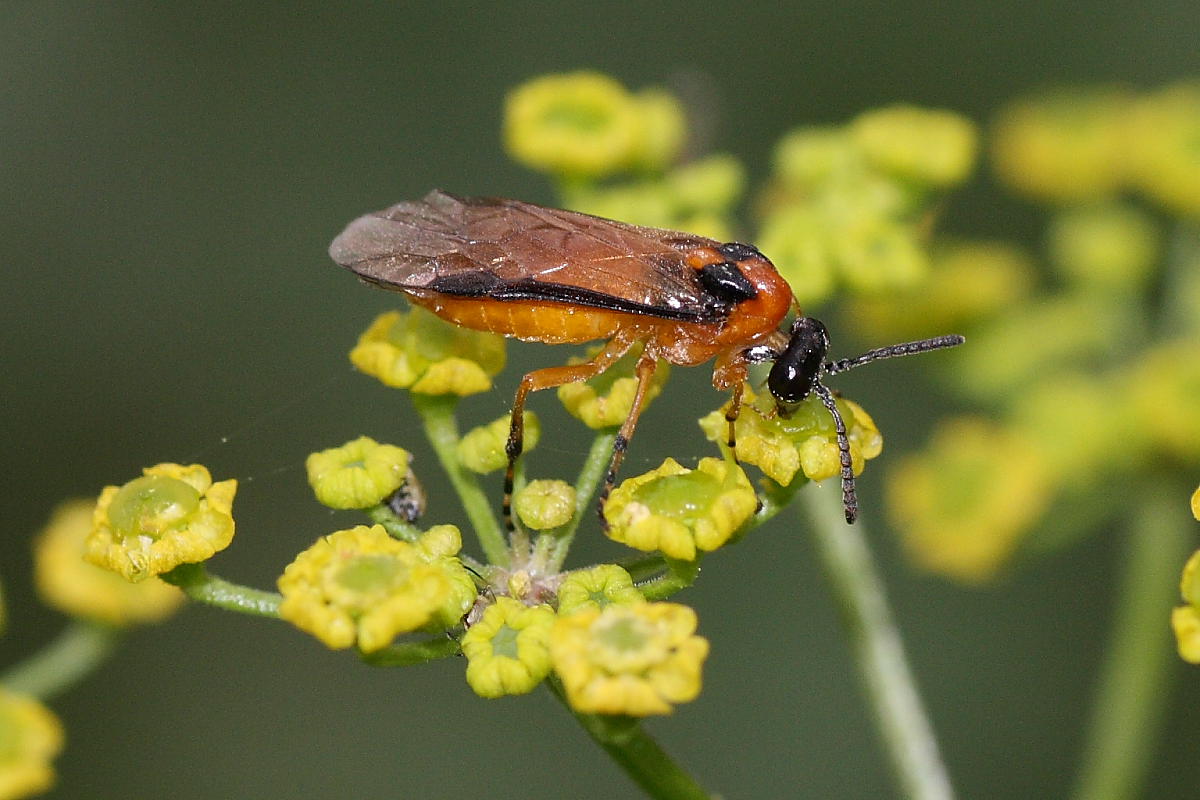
545	504
481	450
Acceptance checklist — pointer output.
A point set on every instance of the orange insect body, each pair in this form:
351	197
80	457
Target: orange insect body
685	344
553	276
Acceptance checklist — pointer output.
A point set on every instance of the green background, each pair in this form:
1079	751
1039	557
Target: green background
171	175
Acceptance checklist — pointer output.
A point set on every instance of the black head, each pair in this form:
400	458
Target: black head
797	373
798	366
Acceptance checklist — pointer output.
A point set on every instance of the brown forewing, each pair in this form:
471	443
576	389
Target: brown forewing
510	250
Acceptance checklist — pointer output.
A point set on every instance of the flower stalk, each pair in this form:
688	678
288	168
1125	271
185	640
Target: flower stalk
891	689
1135	681
636	752
437	415
211	590
78	650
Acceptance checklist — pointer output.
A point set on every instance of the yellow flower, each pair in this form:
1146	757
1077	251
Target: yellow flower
813	157
1082	426
641	202
362	586
805	441
171	515
545	504
482	448
1186	619
580	124
662	128
1189	583
963	505
420	352
604	401
1162	145
359	474
679	511
926	146
1036	338
968	281
1166	384
30	737
73	586
1111	246
876	254
713	184
508	650
596	588
797	240
1196	504
635	659
1065	146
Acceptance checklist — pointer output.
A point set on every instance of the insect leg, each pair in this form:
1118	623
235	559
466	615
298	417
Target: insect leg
849	497
731	417
731	374
645	371
549	378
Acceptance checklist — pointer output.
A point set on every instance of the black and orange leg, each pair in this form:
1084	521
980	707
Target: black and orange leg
731	417
645	371
549	378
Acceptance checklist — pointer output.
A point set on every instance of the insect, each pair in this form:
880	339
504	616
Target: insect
548	275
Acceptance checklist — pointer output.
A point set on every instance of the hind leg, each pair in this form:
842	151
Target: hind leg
549	378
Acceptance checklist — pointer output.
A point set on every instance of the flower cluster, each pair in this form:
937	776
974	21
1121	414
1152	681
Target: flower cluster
1087	145
849	205
422	353
1082	388
584	127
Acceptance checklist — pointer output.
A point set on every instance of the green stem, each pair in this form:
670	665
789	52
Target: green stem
437	415
644	567
77	651
1135	680
878	650
643	760
590	475
210	590
406	654
679	575
396	527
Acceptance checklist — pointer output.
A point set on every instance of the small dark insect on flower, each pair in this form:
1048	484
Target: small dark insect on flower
548	275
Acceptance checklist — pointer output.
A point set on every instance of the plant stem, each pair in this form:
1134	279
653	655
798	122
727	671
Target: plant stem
679	575
643	760
878	650
78	650
406	654
437	415
396	527
1135	680
590	475
210	590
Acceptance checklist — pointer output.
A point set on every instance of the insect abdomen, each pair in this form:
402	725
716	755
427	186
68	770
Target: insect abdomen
531	321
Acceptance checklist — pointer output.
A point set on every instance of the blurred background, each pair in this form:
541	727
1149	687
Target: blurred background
171	176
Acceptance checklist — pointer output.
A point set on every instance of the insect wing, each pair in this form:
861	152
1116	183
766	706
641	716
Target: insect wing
509	250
